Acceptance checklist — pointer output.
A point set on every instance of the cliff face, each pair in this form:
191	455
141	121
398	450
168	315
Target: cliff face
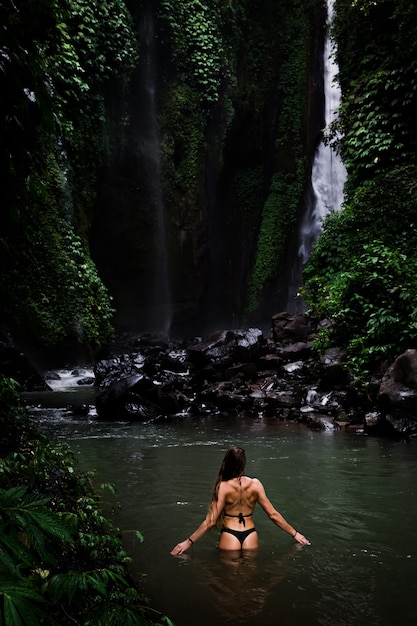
156	154
203	185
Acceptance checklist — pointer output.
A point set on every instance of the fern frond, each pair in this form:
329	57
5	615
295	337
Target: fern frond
71	584
97	582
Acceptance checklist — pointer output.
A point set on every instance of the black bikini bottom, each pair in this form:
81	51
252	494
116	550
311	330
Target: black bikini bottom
239	534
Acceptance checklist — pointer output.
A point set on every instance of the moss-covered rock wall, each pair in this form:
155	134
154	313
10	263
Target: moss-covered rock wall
238	105
156	154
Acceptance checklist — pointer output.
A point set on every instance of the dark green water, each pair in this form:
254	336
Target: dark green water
353	496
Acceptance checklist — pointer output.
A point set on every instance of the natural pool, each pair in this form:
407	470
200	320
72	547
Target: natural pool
353	496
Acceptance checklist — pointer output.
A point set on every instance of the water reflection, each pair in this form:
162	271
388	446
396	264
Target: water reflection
240	587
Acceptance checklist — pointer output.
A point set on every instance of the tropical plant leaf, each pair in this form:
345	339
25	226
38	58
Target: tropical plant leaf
21	602
52	524
139	536
8	497
113	614
20	588
32	500
67	586
13	555
11	614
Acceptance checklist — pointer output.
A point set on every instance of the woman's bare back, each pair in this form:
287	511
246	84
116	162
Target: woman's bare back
240	495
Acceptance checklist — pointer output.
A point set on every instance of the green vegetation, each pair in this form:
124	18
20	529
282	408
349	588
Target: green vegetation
197	44
61	561
362	273
279	213
231	100
378	75
58	59
232	105
278	218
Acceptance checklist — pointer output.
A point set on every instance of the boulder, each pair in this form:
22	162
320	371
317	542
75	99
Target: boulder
120	401
332	370
287	328
296	351
398	389
229	346
17	365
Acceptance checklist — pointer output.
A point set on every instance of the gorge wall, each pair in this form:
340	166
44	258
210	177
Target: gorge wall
157	155
203	187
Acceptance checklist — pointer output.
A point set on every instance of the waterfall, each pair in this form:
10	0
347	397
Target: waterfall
328	177
158	305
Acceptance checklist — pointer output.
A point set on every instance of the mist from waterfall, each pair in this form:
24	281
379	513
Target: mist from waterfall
328	177
158	295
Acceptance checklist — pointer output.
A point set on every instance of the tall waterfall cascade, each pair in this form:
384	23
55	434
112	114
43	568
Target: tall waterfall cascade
328	177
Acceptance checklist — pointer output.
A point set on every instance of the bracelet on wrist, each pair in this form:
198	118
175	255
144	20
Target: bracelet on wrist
190	540
295	534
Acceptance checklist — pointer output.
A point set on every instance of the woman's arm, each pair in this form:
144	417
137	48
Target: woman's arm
211	518
276	516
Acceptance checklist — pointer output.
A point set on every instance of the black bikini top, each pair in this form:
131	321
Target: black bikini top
240	516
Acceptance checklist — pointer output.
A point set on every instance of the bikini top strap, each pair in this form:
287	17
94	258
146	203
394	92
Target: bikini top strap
240	516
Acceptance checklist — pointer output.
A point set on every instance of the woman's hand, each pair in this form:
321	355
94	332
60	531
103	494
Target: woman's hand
180	548
301	539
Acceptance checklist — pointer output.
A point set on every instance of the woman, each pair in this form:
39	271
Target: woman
232	506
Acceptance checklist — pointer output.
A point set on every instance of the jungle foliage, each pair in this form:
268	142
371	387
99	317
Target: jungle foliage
62	561
58	58
362	273
232	100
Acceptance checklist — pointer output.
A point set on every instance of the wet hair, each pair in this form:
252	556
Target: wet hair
233	464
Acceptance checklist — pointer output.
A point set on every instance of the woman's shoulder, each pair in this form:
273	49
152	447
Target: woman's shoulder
246	481
249	480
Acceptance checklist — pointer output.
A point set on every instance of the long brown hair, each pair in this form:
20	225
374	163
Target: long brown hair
232	466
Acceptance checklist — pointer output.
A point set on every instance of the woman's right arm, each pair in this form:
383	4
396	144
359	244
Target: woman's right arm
211	518
276	516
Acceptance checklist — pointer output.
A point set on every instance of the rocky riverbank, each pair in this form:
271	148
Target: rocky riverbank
243	373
